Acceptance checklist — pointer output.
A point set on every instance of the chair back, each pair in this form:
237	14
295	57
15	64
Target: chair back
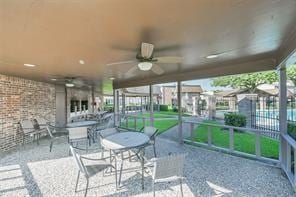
50	130
107	132
150	131
78	161
77	133
170	166
41	122
27	126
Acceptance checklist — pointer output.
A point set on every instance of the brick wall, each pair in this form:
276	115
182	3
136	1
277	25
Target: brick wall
22	99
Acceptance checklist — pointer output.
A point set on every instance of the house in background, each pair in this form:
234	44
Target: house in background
190	97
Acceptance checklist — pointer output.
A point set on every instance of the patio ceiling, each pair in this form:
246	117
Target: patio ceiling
54	35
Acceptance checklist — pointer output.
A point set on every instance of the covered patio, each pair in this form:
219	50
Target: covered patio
58	59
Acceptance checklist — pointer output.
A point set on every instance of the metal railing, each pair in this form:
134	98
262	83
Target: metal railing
231	141
289	164
133	122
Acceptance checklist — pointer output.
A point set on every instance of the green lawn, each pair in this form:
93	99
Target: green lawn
161	125
161	114
243	142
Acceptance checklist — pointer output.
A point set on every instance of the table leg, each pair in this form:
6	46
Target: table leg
142	165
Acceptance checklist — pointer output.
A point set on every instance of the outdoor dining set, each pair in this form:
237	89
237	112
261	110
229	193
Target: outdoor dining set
117	143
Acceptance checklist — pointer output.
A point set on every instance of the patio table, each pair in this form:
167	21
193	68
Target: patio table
124	141
81	124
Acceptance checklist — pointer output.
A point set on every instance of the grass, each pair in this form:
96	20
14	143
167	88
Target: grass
162	114
243	142
161	125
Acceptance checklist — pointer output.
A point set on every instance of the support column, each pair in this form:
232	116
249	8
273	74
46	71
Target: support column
141	104
151	105
179	97
283	114
92	100
115	107
123	103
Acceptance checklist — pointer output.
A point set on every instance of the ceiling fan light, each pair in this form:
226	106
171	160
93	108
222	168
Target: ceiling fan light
69	85
145	66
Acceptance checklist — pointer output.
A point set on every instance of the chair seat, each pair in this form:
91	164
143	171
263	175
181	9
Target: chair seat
173	178
95	169
60	134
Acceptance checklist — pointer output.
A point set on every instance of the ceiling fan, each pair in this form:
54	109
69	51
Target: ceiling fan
146	61
69	81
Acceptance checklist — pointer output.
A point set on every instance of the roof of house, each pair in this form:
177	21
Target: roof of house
188	88
141	91
234	92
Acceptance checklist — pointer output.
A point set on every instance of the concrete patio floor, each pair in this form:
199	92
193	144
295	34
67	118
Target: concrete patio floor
34	171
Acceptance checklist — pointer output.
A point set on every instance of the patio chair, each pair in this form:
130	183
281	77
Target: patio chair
167	169
27	128
78	134
87	170
151	132
54	134
42	123
105	133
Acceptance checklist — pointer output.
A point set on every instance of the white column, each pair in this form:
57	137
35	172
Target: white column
283	114
179	97
151	104
123	103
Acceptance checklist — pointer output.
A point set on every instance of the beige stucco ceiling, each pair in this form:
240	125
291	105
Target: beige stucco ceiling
55	34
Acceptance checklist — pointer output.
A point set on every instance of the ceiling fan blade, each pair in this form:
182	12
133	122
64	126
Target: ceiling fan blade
167	48
169	60
146	50
123	62
131	71
78	82
157	69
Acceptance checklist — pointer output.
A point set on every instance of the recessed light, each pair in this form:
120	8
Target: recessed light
112	78
212	56
69	85
53	79
81	62
29	65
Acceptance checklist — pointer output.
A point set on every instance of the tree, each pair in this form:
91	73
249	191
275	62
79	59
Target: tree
248	81
291	73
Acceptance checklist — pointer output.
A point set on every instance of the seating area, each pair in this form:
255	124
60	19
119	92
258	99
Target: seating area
33	171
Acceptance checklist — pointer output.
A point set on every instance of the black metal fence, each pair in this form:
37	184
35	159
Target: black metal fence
265	113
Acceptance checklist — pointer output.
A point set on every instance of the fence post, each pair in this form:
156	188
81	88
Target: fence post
295	166
209	136
135	119
289	157
258	144
192	131
231	139
126	122
144	121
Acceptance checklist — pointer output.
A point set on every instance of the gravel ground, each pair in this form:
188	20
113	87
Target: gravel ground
34	171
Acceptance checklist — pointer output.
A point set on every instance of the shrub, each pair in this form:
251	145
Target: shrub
108	109
291	127
175	109
235	119
163	107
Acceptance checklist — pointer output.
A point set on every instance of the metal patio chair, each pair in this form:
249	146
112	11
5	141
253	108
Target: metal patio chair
79	134
27	129
55	133
105	133
167	169
151	132
87	171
